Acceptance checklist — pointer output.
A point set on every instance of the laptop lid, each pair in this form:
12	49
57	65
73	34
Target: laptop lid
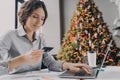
82	74
107	51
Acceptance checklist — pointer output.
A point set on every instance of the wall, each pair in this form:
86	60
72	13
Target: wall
7	16
51	29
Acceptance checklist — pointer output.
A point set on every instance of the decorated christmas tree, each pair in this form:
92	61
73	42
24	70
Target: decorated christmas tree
88	32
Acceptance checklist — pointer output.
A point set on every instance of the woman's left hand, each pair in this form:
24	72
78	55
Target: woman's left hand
76	67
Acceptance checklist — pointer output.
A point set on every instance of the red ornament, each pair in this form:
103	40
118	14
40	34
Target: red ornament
86	37
81	2
73	35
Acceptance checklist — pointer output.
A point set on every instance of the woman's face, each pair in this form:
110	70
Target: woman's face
35	20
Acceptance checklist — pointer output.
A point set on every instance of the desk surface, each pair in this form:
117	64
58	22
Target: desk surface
110	73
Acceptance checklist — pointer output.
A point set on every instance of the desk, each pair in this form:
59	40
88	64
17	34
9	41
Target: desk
110	73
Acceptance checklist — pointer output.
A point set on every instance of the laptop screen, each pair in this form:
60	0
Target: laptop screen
107	51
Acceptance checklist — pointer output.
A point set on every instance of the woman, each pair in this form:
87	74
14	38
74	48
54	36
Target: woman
21	49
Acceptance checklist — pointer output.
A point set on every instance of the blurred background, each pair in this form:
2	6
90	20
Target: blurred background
60	13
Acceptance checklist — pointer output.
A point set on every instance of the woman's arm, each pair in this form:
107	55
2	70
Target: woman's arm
28	58
51	63
15	62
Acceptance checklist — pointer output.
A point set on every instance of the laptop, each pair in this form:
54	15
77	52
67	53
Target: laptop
82	74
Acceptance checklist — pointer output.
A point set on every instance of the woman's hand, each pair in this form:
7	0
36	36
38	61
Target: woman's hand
33	56
76	67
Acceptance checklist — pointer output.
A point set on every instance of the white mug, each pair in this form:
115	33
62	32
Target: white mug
91	56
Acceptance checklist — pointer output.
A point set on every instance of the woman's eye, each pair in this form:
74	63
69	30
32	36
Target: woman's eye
42	19
35	16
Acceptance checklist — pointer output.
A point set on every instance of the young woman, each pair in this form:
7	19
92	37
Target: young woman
21	49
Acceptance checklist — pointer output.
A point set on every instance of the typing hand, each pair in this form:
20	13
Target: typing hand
76	67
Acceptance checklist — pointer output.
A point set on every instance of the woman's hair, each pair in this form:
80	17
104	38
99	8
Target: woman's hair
28	7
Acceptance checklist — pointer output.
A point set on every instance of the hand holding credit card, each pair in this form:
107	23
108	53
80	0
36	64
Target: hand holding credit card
47	49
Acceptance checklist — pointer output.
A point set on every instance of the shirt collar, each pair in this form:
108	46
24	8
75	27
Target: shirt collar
21	32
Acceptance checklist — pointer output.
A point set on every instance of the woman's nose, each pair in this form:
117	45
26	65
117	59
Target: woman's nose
39	20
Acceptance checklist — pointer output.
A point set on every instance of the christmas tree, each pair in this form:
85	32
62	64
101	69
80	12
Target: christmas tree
88	32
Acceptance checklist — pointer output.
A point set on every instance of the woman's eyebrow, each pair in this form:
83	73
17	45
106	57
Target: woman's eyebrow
35	14
38	15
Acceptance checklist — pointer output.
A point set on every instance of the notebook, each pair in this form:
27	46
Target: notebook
82	74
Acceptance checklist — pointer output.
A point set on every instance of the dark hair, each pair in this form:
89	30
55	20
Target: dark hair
28	7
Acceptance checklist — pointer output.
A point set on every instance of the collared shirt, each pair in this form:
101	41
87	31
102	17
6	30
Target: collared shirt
16	43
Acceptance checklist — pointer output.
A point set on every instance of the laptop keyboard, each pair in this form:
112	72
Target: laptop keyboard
83	73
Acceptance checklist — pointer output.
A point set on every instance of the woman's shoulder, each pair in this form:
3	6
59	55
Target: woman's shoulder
8	33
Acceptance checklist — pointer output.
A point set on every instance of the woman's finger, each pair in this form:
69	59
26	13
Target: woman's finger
86	70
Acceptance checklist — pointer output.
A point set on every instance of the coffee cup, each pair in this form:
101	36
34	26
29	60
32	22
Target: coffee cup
91	56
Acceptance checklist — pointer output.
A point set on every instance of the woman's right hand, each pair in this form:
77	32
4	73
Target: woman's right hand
33	56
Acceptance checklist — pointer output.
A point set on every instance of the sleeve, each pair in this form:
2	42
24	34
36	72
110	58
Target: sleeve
49	61
5	43
22	68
